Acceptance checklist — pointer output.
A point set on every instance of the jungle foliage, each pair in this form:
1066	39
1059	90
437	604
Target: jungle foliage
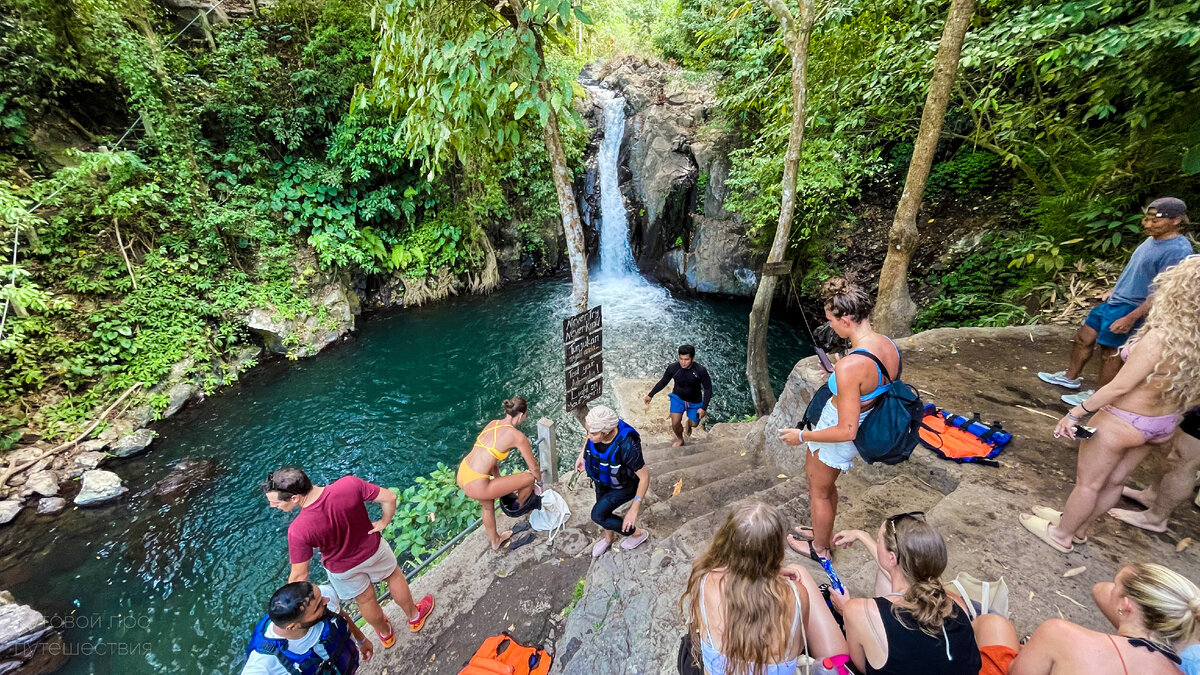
241	157
1071	114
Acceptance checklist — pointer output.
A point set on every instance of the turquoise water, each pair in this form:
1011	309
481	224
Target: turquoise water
149	587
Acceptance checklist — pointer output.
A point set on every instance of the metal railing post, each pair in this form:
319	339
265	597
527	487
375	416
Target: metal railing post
547	450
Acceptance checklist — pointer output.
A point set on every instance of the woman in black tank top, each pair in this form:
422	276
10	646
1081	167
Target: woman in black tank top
914	627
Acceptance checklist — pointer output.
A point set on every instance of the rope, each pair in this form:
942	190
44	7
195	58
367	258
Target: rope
17	230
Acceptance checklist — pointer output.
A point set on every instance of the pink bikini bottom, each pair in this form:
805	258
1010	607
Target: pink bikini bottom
1157	429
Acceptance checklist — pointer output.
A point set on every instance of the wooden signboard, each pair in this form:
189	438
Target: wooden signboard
583	342
777	269
588	392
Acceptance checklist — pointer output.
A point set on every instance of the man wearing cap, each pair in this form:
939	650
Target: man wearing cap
612	457
1110	323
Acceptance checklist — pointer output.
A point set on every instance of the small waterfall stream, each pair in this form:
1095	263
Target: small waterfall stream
616	258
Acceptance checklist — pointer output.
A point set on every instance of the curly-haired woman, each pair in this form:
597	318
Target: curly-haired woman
752	614
1135	412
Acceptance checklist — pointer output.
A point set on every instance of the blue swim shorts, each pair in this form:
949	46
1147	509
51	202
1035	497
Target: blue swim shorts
1103	315
679	405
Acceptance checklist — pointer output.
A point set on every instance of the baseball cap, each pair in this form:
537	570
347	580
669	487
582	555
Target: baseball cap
1168	207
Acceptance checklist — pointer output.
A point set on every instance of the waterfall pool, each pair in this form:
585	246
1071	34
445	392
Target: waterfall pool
148	585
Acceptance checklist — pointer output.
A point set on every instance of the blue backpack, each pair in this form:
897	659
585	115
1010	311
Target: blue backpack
890	430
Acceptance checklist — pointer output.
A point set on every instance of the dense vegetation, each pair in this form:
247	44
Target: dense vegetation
1068	116
246	151
239	157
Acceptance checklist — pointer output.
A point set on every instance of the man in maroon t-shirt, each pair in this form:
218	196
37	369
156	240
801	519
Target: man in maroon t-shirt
333	520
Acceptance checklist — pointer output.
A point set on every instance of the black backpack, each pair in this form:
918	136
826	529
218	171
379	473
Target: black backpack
889	432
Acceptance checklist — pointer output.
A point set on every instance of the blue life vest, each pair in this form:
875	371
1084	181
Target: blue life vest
334	653
600	466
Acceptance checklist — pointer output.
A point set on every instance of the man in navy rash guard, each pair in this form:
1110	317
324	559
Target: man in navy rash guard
690	396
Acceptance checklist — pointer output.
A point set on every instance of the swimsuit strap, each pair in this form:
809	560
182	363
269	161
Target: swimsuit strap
495	436
1155	647
704	610
795	620
1114	644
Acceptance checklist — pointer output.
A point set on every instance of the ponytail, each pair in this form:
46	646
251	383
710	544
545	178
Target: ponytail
921	553
1170	603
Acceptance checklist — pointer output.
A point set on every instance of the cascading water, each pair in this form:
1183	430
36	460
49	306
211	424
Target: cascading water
616	259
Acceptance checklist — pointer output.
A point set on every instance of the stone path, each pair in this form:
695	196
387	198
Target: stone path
628	618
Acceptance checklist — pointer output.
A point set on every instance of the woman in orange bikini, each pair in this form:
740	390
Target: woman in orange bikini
479	472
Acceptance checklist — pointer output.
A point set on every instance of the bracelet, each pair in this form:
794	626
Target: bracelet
1073	418
360	642
637	499
800	436
1081	405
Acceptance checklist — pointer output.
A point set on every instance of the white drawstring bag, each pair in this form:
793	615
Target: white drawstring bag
553	515
981	597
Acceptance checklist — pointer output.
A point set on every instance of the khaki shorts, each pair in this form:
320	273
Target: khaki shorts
359	578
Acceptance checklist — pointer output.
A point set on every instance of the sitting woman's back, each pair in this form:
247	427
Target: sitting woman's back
748	612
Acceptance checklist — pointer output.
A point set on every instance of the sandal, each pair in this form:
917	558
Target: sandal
1051	516
1040	527
811	553
631	542
804	532
513	543
388	640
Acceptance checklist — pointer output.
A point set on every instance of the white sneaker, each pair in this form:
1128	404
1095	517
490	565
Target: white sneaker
1060	378
1077	399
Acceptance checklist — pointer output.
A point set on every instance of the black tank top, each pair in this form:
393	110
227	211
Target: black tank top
913	652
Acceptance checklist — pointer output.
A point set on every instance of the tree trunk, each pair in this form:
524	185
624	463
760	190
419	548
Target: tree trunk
572	225
796	37
894	308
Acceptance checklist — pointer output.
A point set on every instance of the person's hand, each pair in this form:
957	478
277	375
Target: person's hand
367	650
1122	325
1065	427
790	573
700	414
647	400
838	600
1106	295
845	538
378	526
579	464
630	522
790	436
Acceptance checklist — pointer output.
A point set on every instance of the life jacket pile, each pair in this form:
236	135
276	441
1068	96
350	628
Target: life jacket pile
503	655
334	654
600	465
962	439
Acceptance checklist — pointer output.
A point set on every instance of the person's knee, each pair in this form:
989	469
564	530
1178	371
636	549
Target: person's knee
823	491
1085	337
993	629
1107	354
599	513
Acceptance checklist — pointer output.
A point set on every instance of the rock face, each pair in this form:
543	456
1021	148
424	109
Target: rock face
674	176
99	486
335	302
28	643
133	444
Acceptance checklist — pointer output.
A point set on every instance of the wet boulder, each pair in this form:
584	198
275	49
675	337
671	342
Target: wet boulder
9	508
49	506
29	644
133	444
44	483
99	486
186	478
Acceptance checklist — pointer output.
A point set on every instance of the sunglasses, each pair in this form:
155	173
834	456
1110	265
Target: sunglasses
891	521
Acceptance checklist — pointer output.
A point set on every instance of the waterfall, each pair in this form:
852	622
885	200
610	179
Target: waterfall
616	258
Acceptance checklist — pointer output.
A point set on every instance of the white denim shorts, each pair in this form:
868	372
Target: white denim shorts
359	578
834	455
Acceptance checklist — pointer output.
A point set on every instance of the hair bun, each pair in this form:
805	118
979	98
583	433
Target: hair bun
835	286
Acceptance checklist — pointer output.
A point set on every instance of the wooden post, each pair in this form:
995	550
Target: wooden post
547	450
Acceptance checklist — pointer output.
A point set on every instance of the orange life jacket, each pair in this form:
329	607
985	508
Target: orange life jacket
960	438
503	655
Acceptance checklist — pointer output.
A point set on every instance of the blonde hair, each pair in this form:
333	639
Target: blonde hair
1175	315
843	298
756	601
921	552
1170	603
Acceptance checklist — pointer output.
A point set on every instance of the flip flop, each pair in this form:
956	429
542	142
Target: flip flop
1051	516
514	542
812	554
600	547
801	531
1040	527
520	527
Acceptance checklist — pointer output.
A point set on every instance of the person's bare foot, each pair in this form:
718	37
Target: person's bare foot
501	539
678	442
1138	496
1138	519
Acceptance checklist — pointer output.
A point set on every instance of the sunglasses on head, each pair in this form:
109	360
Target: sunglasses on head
891	521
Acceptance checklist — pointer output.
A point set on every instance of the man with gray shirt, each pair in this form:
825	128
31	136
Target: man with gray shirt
1122	311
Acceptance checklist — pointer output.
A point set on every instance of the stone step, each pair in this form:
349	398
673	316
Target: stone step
662	450
714	495
697	471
